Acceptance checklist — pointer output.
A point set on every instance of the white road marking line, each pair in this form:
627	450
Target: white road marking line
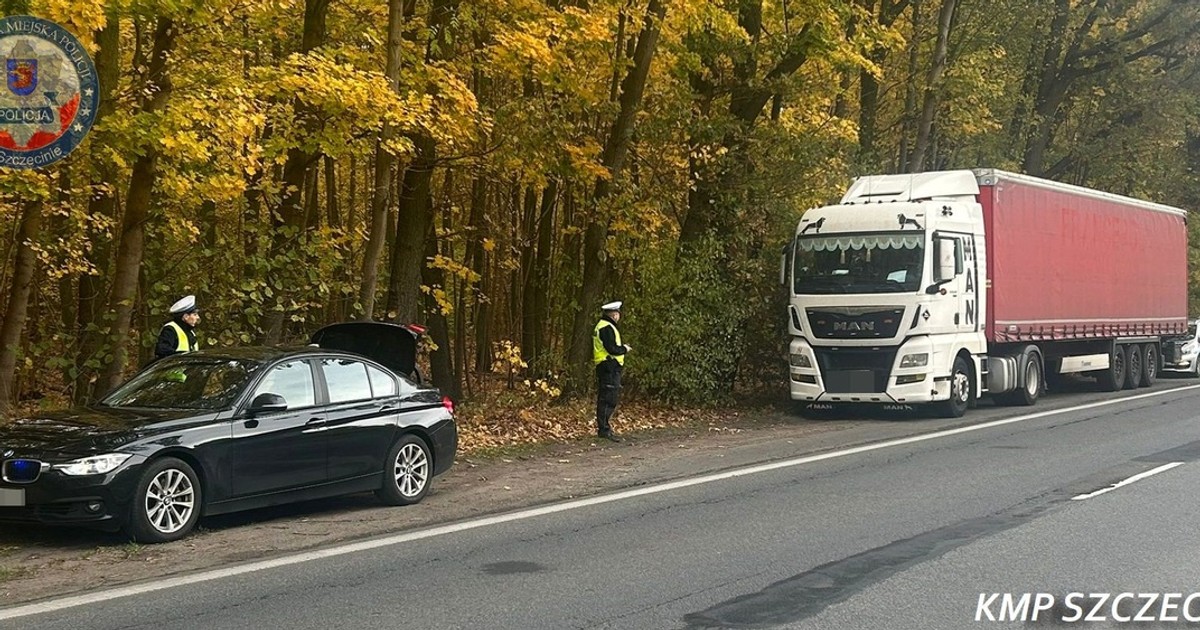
1126	482
53	605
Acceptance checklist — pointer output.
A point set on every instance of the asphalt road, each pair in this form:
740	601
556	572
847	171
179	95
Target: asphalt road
906	536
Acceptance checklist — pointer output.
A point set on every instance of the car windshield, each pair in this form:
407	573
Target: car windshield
184	384
880	262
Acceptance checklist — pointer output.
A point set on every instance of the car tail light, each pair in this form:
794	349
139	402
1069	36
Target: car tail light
448	404
416	329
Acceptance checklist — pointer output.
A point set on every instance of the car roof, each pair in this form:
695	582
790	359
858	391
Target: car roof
262	354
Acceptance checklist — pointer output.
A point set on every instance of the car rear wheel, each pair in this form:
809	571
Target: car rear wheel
407	472
167	504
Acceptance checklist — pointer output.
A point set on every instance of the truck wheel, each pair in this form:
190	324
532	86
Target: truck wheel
1133	366
1113	379
1030	388
1149	365
960	391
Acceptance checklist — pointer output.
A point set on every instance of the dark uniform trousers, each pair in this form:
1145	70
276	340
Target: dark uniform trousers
608	392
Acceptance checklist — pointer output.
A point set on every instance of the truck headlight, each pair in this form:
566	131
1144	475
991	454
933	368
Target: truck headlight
97	465
799	360
919	359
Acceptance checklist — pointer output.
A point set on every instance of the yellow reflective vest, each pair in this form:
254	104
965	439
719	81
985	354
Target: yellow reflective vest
599	354
183	345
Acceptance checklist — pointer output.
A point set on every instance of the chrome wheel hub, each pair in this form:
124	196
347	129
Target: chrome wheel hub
410	471
170	501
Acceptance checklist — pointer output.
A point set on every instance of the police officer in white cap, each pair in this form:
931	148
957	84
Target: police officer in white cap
179	334
608	353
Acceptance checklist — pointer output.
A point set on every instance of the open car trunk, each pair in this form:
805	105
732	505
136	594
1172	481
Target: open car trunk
392	345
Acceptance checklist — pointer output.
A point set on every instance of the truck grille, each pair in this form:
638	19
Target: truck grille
872	322
855	370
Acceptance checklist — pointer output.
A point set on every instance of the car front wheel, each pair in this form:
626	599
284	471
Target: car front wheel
407	472
167	504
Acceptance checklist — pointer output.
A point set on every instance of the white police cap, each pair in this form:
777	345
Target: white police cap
185	305
611	306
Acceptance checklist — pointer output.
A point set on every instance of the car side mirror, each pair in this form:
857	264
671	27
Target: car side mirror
267	403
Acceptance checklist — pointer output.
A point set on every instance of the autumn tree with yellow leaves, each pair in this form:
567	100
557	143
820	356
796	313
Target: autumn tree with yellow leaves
496	169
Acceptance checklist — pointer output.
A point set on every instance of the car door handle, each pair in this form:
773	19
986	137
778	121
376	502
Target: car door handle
315	422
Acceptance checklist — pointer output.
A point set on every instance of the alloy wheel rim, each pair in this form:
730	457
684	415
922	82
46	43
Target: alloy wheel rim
170	501
410	471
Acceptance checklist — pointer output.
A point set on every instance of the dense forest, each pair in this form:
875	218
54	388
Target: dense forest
497	169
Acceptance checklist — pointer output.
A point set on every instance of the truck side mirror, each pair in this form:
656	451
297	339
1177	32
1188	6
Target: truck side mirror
949	261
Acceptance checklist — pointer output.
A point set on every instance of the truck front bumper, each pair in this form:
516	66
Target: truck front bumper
815	379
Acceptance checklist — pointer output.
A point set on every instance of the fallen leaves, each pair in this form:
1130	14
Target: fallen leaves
494	419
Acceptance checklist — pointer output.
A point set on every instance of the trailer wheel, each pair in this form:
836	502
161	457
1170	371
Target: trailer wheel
1113	379
1149	365
960	391
1133	366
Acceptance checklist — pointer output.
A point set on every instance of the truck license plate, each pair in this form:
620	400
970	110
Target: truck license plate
12	497
850	381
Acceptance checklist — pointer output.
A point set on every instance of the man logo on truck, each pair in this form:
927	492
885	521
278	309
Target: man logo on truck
855	326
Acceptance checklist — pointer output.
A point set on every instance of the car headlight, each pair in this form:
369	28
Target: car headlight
920	359
97	465
799	360
1189	348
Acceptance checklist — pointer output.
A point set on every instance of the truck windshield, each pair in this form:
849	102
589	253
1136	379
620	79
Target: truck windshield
879	262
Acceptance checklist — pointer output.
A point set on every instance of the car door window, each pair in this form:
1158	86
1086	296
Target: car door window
382	383
293	381
347	380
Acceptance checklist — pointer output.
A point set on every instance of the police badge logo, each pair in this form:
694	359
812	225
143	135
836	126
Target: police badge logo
52	92
22	76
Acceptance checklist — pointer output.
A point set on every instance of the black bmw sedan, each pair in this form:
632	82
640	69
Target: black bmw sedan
219	431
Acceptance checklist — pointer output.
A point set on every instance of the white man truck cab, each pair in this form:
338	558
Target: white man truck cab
896	300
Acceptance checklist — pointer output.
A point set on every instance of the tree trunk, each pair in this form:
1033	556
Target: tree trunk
18	300
613	160
523	294
412	225
92	287
538	352
408	258
288	234
478	257
910	89
440	359
137	211
933	86
384	162
332	210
